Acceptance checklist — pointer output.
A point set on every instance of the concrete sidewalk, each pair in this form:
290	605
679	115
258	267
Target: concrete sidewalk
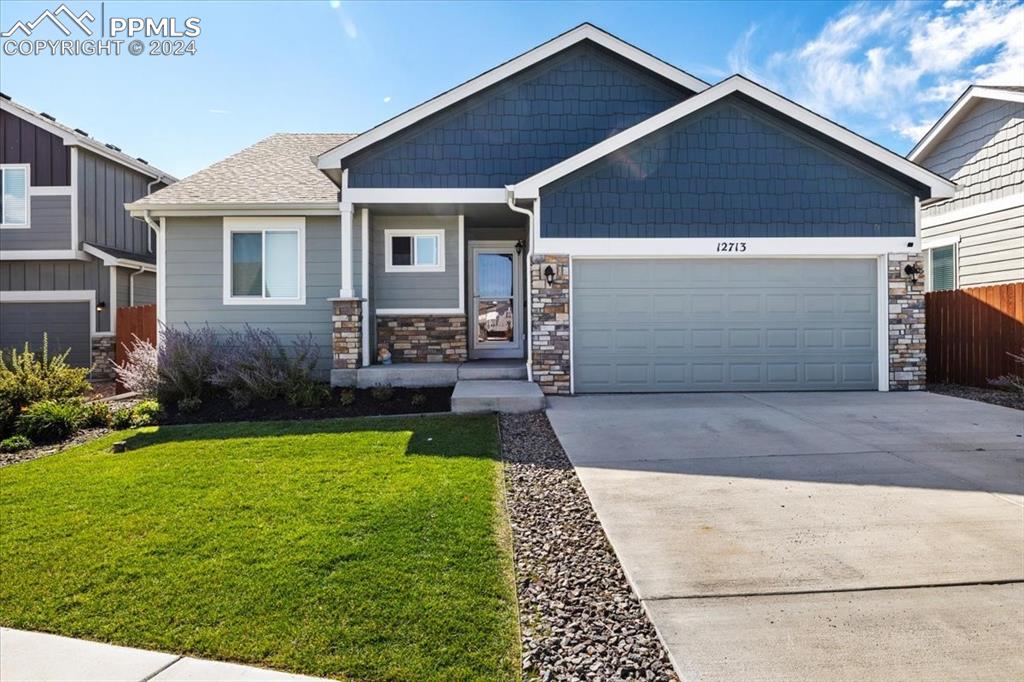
38	657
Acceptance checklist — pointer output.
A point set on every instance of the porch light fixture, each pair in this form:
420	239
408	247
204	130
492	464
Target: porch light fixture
912	270
549	275
101	306
519	247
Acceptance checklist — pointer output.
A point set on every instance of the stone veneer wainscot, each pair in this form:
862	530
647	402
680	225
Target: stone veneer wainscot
549	310
906	326
346	332
423	338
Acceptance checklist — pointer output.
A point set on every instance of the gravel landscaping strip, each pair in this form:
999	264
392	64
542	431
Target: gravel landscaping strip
994	396
580	619
84	436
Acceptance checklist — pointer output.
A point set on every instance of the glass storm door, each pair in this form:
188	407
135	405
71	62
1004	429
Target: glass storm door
496	319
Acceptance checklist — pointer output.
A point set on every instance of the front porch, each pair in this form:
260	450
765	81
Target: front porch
423	374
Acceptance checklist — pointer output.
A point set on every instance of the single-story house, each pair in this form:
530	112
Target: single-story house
976	237
607	220
70	254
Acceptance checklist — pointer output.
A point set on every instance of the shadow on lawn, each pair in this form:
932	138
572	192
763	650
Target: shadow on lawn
434	435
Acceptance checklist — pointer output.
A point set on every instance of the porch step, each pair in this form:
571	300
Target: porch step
497	395
492	369
408	375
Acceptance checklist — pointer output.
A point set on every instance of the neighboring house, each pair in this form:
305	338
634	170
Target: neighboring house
607	219
70	254
976	237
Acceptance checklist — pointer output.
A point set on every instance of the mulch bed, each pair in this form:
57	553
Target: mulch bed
580	619
220	409
993	396
38	451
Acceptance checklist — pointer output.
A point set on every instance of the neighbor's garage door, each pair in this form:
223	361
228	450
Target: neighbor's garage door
724	325
66	326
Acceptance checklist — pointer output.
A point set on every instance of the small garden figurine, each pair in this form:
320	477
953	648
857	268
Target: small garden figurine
384	355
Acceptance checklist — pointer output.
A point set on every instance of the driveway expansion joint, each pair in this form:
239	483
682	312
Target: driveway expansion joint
838	590
159	670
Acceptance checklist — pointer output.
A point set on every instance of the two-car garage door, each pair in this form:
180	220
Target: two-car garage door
724	325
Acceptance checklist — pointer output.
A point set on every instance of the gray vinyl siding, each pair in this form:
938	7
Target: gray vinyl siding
104	188
49	226
983	154
194	280
991	247
145	288
724	172
61	275
520	126
123	288
416	289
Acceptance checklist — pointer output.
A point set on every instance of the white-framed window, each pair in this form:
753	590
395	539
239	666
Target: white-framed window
264	261
414	250
942	265
15	179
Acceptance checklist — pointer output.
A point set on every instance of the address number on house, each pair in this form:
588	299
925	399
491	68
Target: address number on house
734	247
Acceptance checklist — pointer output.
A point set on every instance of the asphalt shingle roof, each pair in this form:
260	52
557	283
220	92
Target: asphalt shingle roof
276	170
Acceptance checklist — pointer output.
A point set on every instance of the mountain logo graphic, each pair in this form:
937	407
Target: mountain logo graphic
53	16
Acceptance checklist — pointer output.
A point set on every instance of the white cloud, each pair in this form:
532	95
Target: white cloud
218	111
335	4
387	99
895	66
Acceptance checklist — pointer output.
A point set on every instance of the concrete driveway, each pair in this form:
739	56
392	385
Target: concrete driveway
793	536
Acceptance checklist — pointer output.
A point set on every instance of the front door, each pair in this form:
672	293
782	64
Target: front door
496	317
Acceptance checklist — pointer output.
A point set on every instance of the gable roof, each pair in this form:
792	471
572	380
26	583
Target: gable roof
78	137
331	159
963	104
275	172
937	186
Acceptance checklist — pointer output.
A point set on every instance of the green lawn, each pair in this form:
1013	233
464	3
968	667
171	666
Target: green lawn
366	549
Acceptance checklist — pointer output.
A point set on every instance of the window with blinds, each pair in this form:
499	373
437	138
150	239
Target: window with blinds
943	268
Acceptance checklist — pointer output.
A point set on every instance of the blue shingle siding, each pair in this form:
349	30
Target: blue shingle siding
729	171
532	121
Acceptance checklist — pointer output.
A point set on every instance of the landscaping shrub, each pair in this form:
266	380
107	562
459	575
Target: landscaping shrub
15	444
138	372
50	421
1012	382
186	362
95	415
146	413
347	397
28	377
309	394
187	405
418	400
382	394
255	365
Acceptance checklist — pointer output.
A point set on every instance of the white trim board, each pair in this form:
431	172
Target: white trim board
938	186
26	169
959	109
760	247
379	195
43	254
332	158
139	209
418	311
70	296
994	206
412	233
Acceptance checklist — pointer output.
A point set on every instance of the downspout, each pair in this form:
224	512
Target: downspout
131	285
511	200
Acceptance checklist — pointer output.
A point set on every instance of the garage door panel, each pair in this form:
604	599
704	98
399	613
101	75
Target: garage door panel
66	325
680	325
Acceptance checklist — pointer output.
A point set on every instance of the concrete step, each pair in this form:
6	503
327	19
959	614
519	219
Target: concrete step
497	395
492	369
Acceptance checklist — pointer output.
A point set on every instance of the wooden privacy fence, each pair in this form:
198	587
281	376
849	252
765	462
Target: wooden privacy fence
970	331
140	321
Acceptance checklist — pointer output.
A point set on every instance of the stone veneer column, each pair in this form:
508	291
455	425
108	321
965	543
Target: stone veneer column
103	358
906	325
549	311
347	333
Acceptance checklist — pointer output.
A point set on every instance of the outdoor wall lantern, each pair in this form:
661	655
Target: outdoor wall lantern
519	247
912	270
101	306
549	275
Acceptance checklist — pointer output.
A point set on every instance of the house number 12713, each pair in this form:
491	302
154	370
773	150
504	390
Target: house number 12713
739	247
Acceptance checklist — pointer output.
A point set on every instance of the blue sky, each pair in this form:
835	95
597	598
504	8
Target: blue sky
886	70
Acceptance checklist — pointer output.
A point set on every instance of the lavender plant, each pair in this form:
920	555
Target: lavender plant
255	365
187	360
138	372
